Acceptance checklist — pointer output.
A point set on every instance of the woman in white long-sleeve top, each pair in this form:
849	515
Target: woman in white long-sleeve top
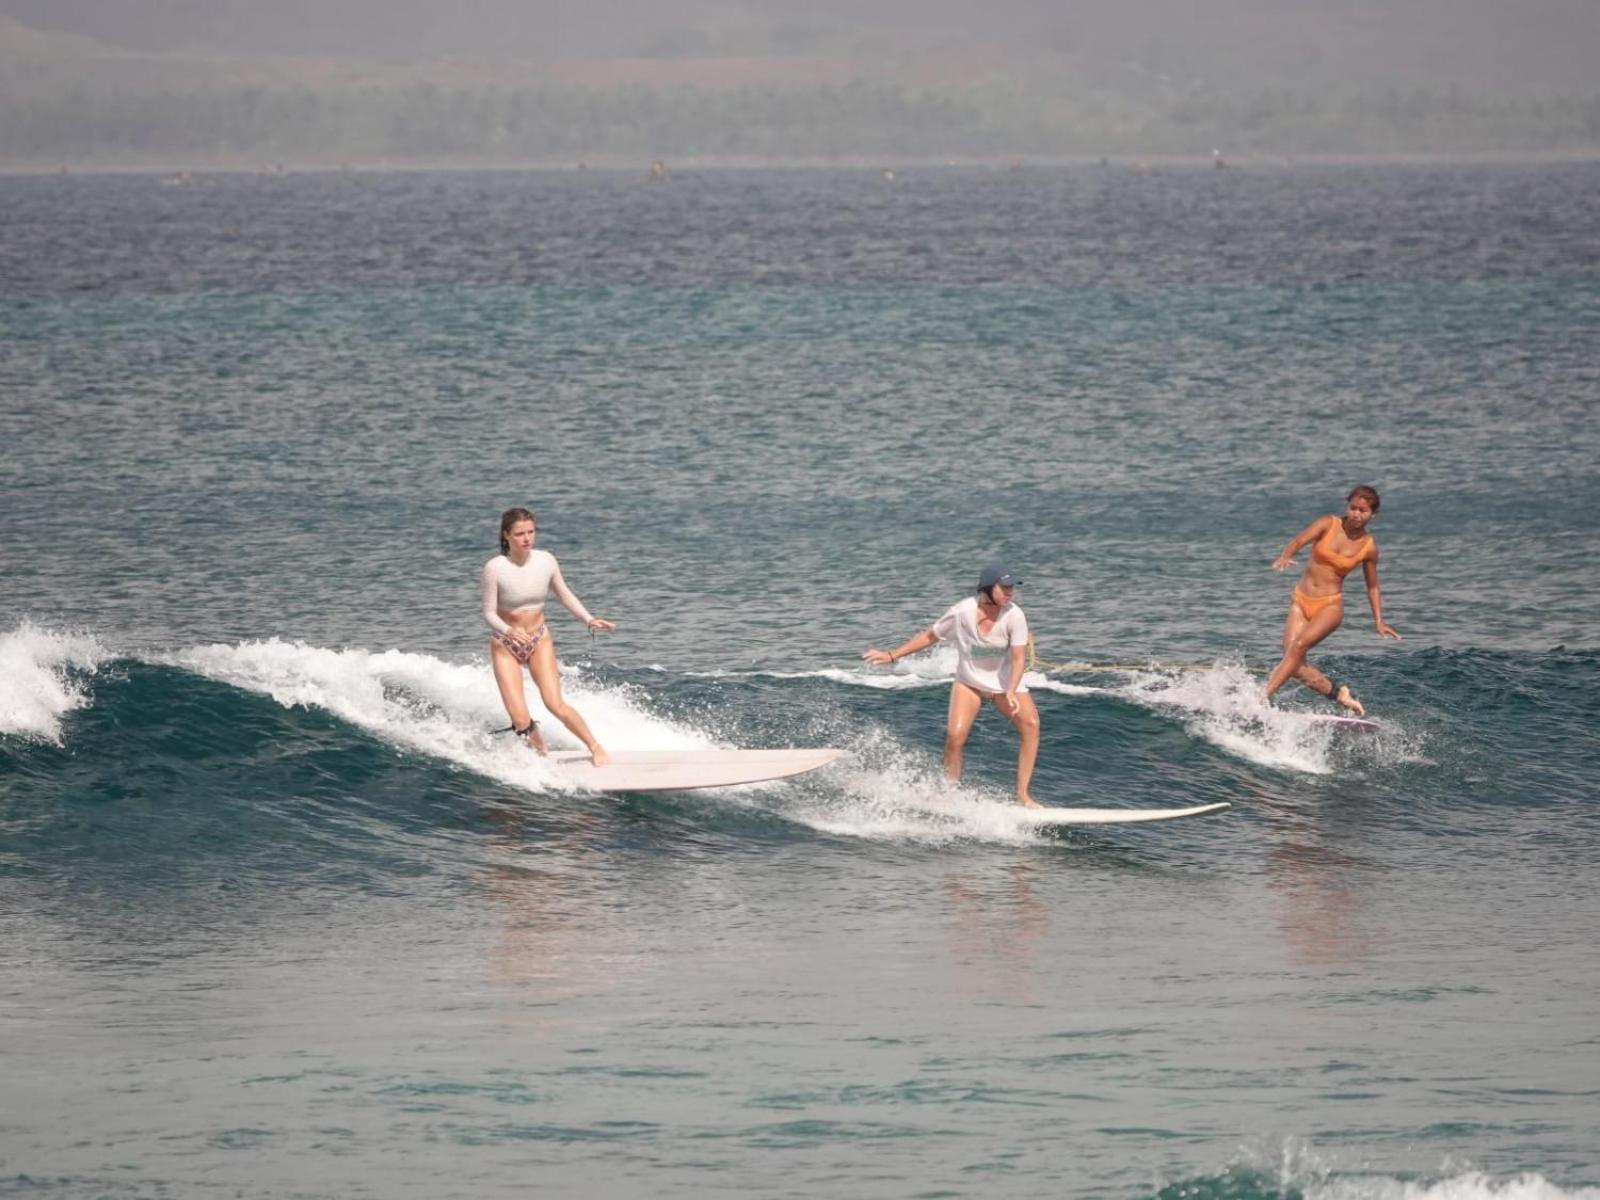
516	583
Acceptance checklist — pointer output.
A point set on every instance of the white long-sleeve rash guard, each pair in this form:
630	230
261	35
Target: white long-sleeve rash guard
510	588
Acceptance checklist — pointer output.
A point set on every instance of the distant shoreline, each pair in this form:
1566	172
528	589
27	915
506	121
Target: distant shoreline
1000	164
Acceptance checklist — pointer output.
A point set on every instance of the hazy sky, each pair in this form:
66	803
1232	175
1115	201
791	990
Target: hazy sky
1500	45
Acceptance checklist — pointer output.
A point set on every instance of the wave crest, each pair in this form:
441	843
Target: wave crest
44	675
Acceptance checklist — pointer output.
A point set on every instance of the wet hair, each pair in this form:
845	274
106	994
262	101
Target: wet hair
512	515
1369	494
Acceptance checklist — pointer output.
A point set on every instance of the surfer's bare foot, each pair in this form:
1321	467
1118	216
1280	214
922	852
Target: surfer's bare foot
1345	700
1028	802
535	741
598	755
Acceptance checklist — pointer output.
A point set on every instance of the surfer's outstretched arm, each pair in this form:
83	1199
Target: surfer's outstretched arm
920	641
1316	608
1370	570
569	599
1306	536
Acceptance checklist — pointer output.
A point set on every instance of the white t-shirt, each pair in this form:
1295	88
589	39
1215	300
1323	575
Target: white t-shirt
983	661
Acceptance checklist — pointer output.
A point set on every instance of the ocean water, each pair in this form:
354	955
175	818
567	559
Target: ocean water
281	916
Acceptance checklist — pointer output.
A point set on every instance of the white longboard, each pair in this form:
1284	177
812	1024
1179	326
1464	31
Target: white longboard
681	770
1109	816
1338	721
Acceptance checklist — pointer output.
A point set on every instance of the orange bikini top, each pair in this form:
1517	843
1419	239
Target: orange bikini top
1343	564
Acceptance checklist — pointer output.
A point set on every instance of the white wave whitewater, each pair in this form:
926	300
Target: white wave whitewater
421	704
1220	704
1470	1185
44	675
881	790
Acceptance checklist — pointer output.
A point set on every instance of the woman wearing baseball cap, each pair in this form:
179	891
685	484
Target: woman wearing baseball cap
991	639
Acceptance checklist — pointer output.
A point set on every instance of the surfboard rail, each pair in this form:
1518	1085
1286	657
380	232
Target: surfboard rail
688	770
1345	721
1112	816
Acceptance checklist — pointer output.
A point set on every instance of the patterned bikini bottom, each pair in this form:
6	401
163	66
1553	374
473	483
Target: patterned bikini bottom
520	645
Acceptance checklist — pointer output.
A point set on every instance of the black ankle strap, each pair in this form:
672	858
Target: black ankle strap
531	725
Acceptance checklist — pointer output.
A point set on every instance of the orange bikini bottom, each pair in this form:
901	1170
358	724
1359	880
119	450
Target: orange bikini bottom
1310	606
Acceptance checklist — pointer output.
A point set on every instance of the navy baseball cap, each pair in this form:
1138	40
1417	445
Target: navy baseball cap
998	572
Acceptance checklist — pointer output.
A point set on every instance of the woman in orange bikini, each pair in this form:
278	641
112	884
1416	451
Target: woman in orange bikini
1338	546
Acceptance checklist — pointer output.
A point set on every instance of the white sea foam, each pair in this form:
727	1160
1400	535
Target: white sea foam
1472	1185
448	710
884	792
1297	1166
1043	683
880	790
932	668
935	667
424	704
418	703
888	679
1220	704
43	676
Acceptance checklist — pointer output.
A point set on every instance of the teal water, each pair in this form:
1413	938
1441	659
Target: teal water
280	916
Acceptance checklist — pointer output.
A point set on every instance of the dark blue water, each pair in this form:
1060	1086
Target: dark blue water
280	915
